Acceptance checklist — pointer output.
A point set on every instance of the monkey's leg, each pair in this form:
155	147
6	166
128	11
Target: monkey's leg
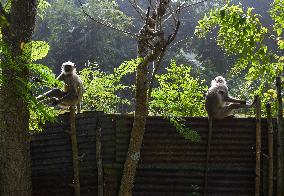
227	110
234	100
52	93
78	108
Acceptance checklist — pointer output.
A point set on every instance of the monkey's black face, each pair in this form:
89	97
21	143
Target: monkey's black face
220	80
68	68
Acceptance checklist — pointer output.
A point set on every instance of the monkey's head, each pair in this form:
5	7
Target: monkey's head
218	80
68	68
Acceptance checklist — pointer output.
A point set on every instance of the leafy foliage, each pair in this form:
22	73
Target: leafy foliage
39	113
241	34
73	36
277	14
31	52
42	6
102	89
178	95
35	50
108	10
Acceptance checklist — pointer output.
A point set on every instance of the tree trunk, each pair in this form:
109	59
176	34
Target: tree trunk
15	174
138	129
149	51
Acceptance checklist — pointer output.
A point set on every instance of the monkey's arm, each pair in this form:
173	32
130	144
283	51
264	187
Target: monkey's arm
233	100
61	77
227	98
69	97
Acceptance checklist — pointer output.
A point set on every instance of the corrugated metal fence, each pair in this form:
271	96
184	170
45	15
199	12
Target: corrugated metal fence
170	165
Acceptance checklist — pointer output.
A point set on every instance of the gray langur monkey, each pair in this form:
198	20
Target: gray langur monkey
73	88
219	105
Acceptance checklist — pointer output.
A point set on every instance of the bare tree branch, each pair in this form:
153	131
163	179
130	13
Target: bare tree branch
192	4
180	41
156	69
172	36
136	7
173	14
151	5
106	24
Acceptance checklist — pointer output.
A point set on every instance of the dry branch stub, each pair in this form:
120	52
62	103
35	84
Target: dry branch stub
73	135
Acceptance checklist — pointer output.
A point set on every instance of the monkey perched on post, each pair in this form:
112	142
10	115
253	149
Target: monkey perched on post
73	88
219	105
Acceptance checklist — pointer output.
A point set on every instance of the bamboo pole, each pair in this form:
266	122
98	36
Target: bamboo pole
210	119
73	135
270	150
279	139
258	147
99	161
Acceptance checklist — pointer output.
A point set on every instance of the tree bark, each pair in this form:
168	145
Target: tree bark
138	129
15	174
152	44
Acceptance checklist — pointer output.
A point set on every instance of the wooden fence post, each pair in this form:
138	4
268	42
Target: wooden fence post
258	147
279	139
73	135
99	160
270	150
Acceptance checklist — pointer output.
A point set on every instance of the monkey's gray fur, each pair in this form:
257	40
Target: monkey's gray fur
73	88
218	103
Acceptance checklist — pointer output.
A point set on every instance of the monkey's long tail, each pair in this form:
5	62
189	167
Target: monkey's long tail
207	156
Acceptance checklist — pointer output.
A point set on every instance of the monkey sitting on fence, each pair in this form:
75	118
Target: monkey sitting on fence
73	88
218	103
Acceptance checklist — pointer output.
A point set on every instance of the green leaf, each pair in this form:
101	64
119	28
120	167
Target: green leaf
222	13
35	50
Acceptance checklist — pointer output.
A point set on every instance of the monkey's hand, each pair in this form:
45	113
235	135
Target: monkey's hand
253	102
54	102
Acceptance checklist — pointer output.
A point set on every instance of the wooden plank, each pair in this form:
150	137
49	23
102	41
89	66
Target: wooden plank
99	161
270	150
258	148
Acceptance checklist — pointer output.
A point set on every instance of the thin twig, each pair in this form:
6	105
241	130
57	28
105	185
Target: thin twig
192	4
106	25
136	9
173	14
156	69
139	7
150	3
180	41
172	36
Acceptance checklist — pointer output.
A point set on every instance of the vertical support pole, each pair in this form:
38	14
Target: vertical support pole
270	150
210	119
99	160
279	139
76	178
258	147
